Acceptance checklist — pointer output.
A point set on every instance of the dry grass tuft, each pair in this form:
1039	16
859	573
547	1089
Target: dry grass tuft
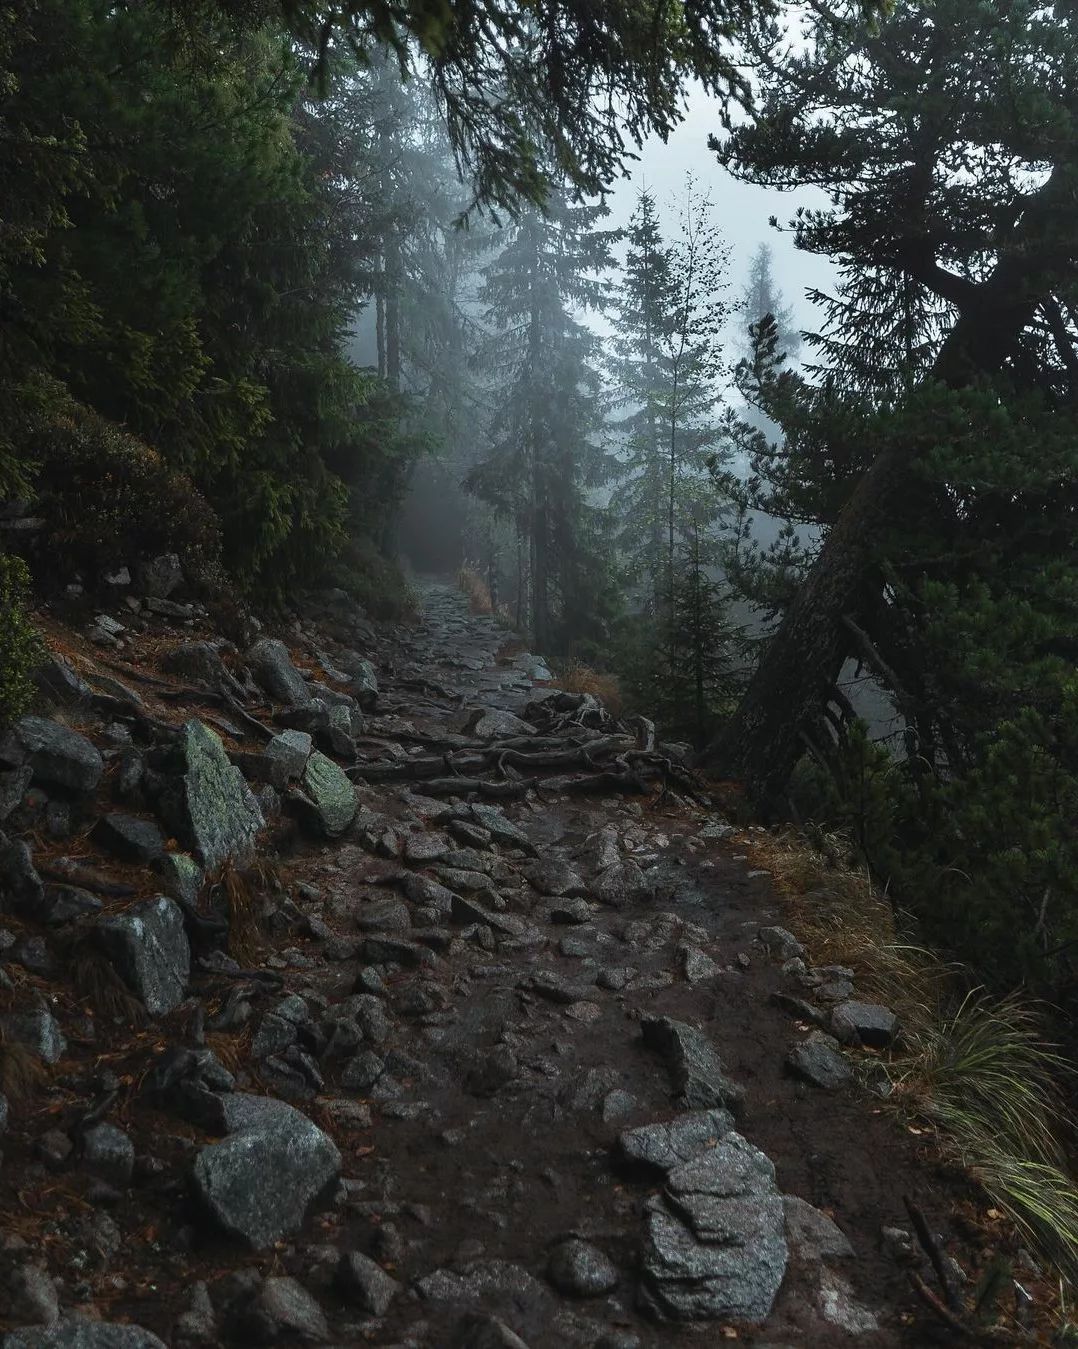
99	983
476	589
975	1069
580	678
22	1074
239	890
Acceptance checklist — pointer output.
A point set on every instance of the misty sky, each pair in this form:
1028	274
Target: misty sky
742	209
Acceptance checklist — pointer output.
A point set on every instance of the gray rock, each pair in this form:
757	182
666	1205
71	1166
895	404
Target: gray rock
365	1284
77	1333
579	1269
493	820
290	750
4	1112
570	911
698	966
129	838
159	577
109	1153
60	683
211	807
196	1328
328	794
486	1332
812	1235
261	1181
361	676
674	1142
553	875
492	724
56	755
818	1059
64	903
20	885
481	1282
283	1312
181	877
201	662
13	785
780	943
715	1245
864	1023
696	1071
33	1296
840	1307
37	1031
272	667
148	945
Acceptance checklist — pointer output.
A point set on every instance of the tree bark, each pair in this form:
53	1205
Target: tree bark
761	744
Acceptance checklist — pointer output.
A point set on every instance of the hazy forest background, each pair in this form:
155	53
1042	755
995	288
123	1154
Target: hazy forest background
267	273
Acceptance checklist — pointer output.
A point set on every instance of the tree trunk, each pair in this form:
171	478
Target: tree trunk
761	744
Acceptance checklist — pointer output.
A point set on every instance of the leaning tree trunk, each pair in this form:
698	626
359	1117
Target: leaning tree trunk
785	700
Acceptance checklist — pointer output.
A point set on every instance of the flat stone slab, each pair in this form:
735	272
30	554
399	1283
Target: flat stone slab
56	755
671	1143
210	806
715	1242
79	1334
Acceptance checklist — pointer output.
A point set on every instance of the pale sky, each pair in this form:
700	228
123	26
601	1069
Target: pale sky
741	208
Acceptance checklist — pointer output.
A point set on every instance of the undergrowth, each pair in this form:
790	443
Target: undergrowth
580	678
21	649
974	1068
472	585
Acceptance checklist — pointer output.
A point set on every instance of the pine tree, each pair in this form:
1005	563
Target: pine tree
545	458
761	296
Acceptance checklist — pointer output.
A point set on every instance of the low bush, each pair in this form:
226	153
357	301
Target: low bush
108	499
580	678
375	580
21	647
476	589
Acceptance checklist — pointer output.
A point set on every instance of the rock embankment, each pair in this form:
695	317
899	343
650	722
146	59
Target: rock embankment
365	989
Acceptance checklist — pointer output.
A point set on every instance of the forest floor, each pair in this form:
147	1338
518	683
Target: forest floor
540	976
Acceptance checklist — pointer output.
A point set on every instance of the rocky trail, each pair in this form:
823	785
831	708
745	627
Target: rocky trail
399	998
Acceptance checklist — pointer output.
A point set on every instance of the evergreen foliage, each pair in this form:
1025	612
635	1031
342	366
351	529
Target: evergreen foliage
20	645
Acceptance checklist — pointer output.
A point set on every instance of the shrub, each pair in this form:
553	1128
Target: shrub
375	580
20	645
108	499
478	592
580	678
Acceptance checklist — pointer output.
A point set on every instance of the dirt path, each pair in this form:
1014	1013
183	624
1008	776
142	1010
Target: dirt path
485	1002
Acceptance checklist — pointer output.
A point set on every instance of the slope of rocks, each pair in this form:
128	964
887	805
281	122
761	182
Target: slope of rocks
367	990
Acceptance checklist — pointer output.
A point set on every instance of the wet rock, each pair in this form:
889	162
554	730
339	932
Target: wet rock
181	877
480	1283
283	1312
148	945
272	668
56	755
493	724
159	577
840	1307
36	1031
864	1023
196	1328
558	988
698	966
201	662
381	914
818	1060
260	1182
715	1244
33	1296
384	949
362	678
618	1339
471	835
695	1068
812	1235
493	820
60	683
486	1332
364	1284
422	848
487	1071
129	838
362	1072
780	943
20	886
555	876
77	1333
671	1143
573	912
328	794
64	903
210	806
422	890
469	911
109	1153
13	785
290	750
579	1269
